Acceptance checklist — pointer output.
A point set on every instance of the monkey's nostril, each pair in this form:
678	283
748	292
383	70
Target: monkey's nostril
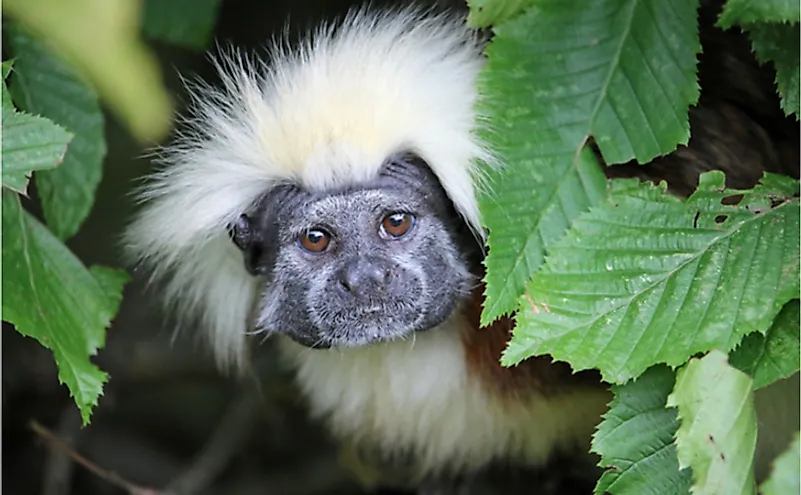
344	284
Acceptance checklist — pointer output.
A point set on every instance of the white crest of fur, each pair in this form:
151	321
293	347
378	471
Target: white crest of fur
325	115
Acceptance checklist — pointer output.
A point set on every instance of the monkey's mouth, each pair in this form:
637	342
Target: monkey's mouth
355	340
359	327
334	324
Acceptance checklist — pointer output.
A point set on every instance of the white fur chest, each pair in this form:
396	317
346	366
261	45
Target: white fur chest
416	396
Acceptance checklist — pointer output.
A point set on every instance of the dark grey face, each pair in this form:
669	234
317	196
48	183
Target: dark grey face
349	267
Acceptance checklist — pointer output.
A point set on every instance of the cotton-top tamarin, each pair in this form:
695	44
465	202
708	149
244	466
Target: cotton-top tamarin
327	198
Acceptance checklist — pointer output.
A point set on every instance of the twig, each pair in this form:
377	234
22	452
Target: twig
58	468
110	477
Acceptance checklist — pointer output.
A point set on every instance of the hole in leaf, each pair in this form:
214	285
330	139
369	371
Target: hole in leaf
721	218
734	199
695	220
593	146
774	202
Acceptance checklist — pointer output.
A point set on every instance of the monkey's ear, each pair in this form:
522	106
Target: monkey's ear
241	232
246	238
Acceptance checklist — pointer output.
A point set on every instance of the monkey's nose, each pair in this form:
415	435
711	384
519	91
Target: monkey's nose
364	277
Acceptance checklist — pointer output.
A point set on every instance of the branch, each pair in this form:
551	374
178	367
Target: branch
112	478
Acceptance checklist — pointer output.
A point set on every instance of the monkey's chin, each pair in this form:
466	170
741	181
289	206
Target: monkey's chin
350	340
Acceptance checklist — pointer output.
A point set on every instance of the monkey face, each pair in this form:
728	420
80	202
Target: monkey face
349	267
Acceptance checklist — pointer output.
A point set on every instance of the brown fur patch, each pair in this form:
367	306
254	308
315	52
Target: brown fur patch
483	348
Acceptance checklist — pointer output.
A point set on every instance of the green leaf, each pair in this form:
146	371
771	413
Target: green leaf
183	22
648	278
102	40
29	143
774	31
771	357
752	11
525	221
485	13
112	281
44	85
635	440
6	67
717	436
779	43
621	72
57	301
784	480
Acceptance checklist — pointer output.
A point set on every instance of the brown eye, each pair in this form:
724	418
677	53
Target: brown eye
315	240
397	224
